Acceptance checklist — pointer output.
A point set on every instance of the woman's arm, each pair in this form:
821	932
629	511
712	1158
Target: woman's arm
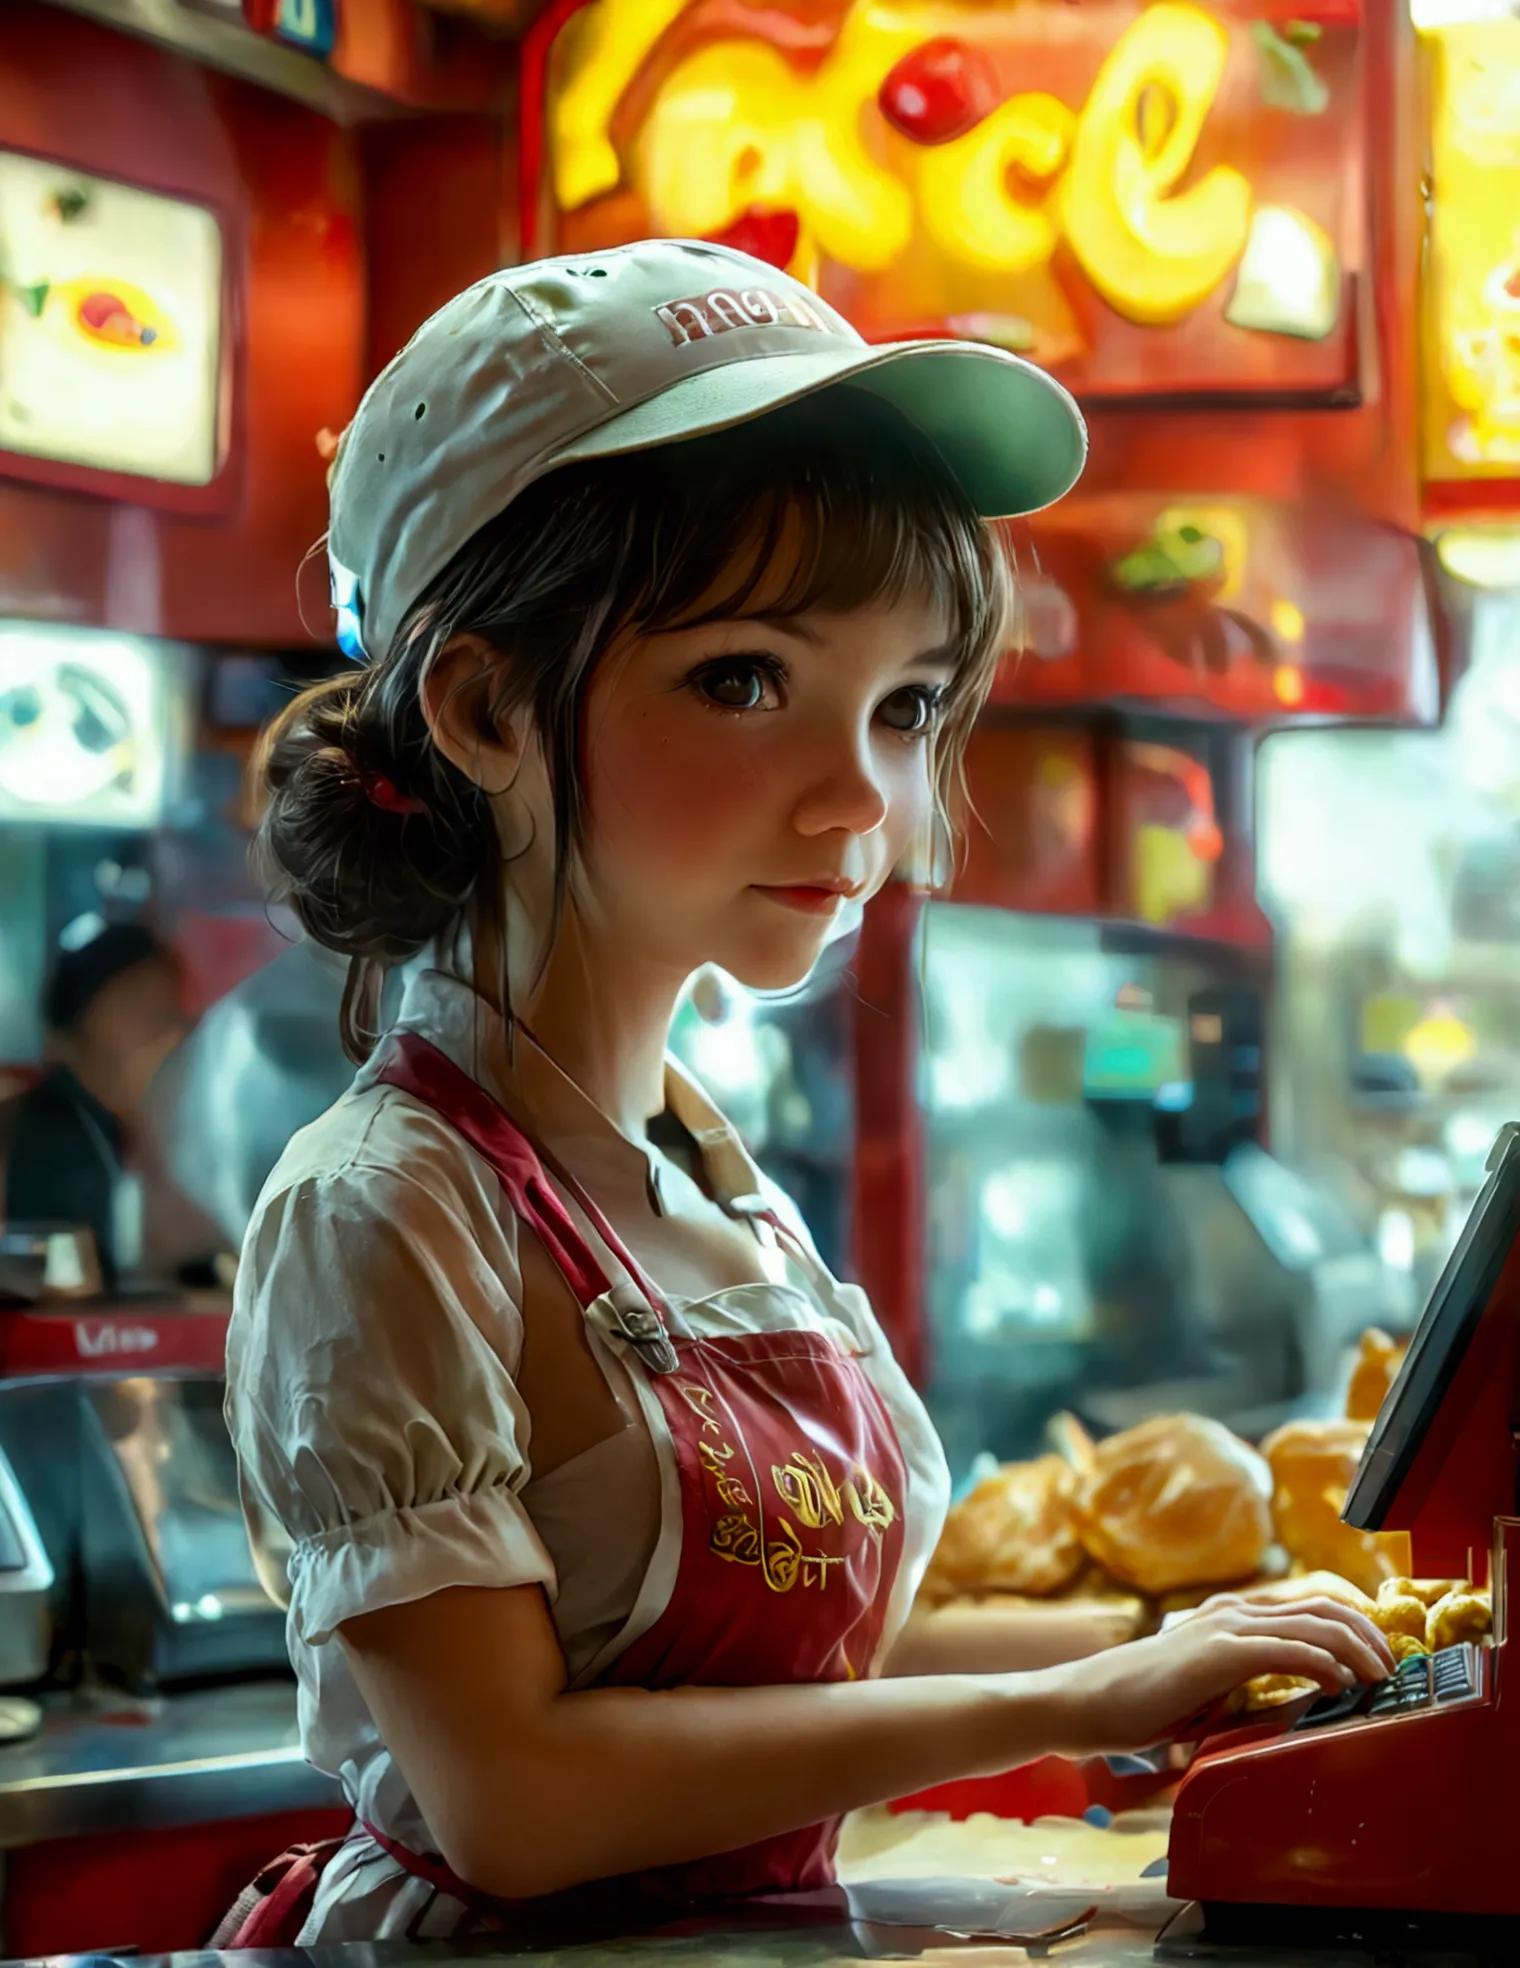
529	1789
1004	1639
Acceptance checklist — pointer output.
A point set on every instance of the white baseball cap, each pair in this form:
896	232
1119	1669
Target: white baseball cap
592	355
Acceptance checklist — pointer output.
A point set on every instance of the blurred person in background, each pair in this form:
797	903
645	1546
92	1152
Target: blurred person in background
113	1010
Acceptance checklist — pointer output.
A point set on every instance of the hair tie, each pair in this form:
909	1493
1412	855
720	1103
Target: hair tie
382	792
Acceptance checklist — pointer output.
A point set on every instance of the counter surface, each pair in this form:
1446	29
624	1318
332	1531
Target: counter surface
938	1923
109	1763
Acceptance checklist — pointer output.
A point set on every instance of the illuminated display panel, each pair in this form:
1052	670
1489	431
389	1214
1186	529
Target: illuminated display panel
1253	608
93	726
1472	294
110	325
1147	201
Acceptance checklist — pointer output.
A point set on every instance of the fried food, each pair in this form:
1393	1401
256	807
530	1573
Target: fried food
1312	1465
1377	1364
1016	1532
1178	1501
1400	1613
1264	1691
1461	1615
1404	1646
1427	1591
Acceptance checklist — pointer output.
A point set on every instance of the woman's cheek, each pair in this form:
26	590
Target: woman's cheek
666	781
910	797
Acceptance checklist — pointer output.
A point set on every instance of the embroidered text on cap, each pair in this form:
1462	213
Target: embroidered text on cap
716	312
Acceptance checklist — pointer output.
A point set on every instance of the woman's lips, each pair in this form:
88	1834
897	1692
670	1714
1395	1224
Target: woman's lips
810	901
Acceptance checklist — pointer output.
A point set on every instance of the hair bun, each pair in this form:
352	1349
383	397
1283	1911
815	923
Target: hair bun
370	877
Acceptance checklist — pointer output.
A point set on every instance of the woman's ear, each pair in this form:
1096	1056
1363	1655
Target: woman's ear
459	702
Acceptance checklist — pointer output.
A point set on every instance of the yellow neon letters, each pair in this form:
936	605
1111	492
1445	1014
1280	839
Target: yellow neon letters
736	126
1153	256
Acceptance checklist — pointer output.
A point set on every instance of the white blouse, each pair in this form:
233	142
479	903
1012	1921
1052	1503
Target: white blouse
372	1358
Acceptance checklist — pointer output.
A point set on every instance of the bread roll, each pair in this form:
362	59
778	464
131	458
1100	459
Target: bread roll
1015	1532
1312	1464
1178	1501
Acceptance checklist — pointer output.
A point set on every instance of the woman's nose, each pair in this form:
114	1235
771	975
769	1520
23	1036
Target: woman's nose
845	795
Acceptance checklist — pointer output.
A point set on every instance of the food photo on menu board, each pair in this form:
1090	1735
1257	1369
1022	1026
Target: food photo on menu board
110	324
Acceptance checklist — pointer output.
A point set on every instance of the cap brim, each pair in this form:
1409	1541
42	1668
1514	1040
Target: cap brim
1013	437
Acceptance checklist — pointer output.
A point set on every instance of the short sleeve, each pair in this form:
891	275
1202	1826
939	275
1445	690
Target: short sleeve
370	1393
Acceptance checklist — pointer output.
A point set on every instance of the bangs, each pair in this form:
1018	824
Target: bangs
831	505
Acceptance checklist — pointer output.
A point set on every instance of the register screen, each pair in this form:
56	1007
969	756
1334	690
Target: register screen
1456	1305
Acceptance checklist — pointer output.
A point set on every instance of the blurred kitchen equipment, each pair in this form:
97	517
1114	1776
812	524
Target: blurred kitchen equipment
112	1426
47	1260
171	1589
264	1061
26	1578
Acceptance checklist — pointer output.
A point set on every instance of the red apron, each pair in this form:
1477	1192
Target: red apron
792	1487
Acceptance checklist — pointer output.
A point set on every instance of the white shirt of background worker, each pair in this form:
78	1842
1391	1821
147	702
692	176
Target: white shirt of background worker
675	603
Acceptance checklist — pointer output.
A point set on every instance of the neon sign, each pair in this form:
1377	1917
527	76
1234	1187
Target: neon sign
1472	344
1060	184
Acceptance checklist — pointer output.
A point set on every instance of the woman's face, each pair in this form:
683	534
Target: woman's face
126	1034
744	779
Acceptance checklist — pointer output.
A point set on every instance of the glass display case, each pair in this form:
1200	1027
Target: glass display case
781	1069
1390	862
1105	1232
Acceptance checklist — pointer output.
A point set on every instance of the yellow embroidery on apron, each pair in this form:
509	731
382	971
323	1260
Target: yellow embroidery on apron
700	1400
808	1490
869	1501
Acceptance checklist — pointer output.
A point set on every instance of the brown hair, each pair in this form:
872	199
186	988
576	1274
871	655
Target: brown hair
860	503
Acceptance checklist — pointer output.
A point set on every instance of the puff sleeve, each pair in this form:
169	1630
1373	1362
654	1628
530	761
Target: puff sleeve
370	1394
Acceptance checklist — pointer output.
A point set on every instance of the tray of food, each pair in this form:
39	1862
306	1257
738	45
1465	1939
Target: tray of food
1099	1542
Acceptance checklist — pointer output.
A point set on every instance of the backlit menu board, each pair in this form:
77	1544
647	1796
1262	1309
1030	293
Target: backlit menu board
1149	201
110	324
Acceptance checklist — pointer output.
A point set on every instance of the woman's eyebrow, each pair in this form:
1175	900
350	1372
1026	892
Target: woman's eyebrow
798	627
942	656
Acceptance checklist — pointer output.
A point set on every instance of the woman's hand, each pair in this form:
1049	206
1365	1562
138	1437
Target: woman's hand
1145	1692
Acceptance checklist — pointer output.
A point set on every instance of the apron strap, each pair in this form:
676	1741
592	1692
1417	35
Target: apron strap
592	1212
415	1066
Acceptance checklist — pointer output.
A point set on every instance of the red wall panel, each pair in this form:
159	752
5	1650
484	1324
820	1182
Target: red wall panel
439	205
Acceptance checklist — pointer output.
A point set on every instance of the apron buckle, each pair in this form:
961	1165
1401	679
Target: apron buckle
644	1330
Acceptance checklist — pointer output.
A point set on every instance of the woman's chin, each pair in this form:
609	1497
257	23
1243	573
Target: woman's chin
775	968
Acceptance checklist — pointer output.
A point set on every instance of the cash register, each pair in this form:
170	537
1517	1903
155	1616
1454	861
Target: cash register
1396	1798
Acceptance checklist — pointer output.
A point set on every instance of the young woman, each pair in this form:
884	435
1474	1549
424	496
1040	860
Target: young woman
607	1503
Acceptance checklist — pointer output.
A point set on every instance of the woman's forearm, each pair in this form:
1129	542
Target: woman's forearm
1001	1639
529	1788
678	1775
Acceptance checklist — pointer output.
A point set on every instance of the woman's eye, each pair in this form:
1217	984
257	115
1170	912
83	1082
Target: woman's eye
737	686
912	710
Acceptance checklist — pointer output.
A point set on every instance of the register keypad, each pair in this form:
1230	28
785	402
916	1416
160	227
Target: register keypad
1456	1673
1409	1688
1422	1681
